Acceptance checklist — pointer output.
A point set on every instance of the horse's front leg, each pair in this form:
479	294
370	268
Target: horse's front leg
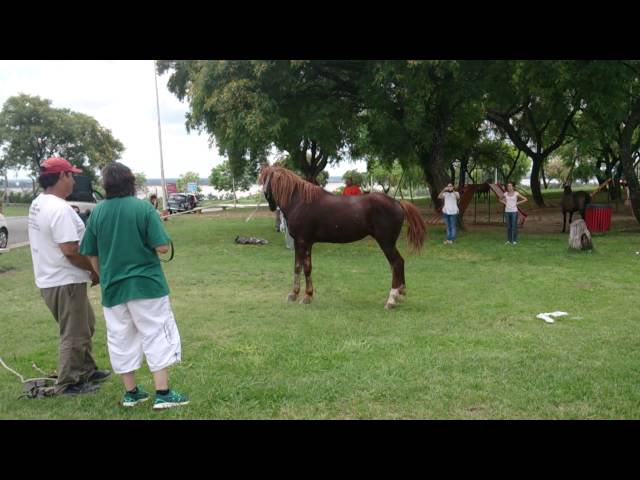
293	296
306	263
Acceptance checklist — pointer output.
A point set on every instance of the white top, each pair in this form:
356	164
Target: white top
511	200
53	221
451	203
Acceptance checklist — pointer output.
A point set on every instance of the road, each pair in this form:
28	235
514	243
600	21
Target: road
18	225
17	231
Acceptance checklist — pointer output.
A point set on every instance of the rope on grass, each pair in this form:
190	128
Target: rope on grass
12	371
48	379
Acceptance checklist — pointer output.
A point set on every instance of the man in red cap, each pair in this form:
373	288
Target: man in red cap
61	274
350	188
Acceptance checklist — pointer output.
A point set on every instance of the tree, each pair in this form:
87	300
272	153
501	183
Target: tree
421	112
34	131
493	153
535	103
290	163
557	169
358	178
222	178
304	108
141	181
385	175
612	116
185	179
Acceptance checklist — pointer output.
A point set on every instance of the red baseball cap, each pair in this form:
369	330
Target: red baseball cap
57	165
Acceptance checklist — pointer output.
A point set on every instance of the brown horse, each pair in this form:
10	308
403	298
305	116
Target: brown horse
314	215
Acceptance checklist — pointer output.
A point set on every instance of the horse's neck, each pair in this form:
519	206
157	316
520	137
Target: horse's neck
295	204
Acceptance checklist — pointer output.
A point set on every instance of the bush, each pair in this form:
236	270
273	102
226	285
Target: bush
20	197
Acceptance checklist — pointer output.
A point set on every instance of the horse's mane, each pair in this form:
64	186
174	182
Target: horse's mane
284	183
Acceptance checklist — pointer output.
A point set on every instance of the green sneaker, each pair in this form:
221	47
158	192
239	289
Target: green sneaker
132	399
171	399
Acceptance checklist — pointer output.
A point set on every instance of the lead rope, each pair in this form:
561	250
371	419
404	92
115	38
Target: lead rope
33	391
172	253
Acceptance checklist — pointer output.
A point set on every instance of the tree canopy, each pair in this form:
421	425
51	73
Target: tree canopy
33	131
445	117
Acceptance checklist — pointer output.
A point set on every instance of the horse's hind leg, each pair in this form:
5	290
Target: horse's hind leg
293	296
398	288
306	263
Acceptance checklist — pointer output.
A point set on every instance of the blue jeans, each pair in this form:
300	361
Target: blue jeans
451	221
512	226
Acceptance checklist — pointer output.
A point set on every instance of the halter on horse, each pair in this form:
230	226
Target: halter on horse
314	215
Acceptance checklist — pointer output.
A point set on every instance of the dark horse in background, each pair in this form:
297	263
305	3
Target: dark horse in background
314	215
573	202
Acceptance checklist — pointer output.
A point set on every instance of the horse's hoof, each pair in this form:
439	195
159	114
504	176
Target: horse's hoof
305	301
291	297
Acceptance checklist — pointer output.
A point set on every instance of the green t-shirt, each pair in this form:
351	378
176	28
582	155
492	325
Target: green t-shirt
123	233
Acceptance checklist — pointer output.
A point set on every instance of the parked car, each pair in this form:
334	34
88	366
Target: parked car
181	202
84	198
4	232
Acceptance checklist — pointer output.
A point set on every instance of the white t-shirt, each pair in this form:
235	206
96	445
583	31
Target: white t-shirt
451	203
53	221
511	202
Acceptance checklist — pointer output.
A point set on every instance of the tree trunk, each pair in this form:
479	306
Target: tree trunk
435	173
627	161
235	199
632	180
535	181
464	162
544	178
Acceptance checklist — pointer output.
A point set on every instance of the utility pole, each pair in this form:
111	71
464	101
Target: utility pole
164	185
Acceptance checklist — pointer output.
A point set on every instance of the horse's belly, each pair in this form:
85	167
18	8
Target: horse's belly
336	233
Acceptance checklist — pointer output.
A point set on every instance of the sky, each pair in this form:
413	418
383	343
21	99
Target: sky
120	95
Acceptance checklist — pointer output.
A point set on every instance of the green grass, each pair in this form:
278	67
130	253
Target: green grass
15	210
465	343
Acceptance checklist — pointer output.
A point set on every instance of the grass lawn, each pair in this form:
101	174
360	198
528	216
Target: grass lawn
465	344
16	210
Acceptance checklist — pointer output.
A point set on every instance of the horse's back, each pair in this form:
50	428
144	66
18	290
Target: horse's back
344	219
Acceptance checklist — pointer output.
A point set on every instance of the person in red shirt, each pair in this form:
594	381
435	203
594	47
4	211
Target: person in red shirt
351	189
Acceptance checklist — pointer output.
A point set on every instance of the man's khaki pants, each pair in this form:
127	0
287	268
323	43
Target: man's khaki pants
70	307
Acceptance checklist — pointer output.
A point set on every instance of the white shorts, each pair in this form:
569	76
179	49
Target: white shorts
142	326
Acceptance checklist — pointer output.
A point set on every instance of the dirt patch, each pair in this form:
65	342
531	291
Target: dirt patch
543	220
540	220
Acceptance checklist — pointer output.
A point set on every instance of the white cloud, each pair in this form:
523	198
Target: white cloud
120	95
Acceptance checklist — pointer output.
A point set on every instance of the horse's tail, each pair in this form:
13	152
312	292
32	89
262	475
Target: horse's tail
417	227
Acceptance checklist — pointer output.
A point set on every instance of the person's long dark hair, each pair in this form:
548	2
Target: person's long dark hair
118	180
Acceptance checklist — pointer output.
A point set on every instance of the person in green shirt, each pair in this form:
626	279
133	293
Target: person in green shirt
122	240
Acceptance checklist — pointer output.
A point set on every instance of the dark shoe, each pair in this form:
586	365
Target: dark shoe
99	376
81	389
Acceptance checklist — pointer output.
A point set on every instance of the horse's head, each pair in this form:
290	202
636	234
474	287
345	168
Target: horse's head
265	180
281	187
